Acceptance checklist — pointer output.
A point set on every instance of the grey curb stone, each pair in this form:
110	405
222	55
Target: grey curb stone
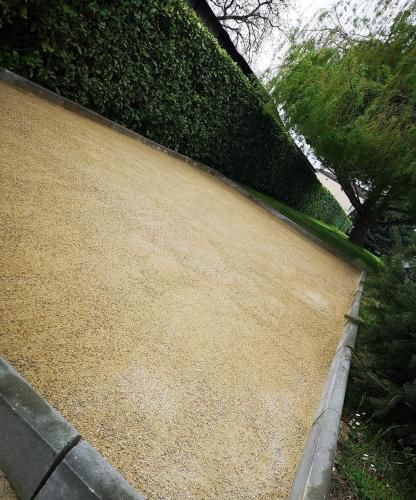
354	311
334	391
85	474
313	475
33	435
19	81
317	459
350	328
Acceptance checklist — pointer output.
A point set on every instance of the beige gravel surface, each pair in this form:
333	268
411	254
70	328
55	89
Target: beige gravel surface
183	330
6	490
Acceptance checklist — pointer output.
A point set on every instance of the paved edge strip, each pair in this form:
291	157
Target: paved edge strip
33	436
23	83
83	473
37	443
313	474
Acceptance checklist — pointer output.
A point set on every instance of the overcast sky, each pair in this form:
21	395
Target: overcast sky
302	9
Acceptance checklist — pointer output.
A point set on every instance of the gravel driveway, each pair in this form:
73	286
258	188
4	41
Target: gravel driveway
183	330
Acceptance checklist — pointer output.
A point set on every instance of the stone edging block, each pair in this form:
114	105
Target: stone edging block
33	435
41	453
84	473
313	475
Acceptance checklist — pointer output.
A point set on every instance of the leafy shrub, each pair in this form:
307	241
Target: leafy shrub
319	203
150	65
385	368
381	238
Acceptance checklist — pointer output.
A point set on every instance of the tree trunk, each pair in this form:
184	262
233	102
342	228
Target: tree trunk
362	224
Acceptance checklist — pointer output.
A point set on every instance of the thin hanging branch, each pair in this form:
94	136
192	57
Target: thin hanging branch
250	22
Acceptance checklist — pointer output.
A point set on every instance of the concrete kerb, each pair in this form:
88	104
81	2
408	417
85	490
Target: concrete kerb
33	436
37	443
83	473
313	475
21	82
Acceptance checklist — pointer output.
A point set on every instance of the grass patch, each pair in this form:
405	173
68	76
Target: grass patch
331	235
369	465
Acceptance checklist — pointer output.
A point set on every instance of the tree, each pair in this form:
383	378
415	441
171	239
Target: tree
249	22
381	237
352	96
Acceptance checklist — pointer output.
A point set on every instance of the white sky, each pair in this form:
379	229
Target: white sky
302	10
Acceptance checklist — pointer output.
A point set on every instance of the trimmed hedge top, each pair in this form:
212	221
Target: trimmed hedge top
150	65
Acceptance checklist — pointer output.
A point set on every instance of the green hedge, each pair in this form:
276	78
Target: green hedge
151	66
319	203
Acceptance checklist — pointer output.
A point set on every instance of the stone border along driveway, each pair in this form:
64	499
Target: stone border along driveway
313	475
42	454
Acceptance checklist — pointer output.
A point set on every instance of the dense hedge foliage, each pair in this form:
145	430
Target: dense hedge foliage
151	66
319	203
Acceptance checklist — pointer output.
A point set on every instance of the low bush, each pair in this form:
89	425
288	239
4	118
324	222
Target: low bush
376	456
385	365
319	204
150	65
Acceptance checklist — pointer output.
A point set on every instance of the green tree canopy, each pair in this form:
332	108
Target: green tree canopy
353	99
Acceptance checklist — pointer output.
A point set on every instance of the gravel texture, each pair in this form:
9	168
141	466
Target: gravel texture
184	331
6	489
